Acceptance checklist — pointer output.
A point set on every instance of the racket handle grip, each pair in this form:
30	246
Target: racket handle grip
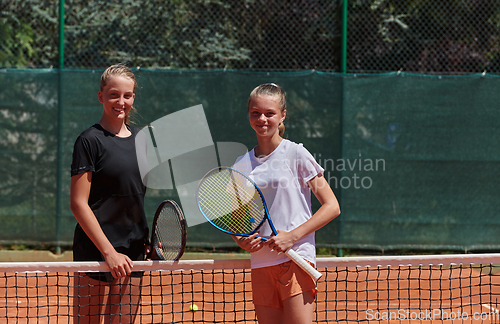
303	264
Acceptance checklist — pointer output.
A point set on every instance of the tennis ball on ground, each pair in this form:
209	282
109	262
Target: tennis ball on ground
193	307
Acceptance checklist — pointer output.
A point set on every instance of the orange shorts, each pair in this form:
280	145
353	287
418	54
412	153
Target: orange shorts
271	285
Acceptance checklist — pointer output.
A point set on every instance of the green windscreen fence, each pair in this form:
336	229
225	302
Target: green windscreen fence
413	159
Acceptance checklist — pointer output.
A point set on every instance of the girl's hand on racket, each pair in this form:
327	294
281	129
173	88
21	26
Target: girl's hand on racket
147	250
282	241
119	264
252	243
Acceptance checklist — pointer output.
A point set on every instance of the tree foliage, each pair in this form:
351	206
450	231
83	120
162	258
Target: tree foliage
448	36
192	34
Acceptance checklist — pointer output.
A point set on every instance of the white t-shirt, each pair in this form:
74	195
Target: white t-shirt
282	179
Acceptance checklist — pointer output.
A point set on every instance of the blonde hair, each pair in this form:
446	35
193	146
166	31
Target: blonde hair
119	70
273	90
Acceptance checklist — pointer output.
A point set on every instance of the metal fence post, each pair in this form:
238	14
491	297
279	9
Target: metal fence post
59	129
343	69
343	58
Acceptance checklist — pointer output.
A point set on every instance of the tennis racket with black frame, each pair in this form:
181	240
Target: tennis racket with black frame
233	203
169	233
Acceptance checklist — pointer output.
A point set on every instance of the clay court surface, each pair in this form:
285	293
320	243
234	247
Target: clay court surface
347	295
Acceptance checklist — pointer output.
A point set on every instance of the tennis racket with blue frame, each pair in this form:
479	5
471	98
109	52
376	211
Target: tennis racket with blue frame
233	203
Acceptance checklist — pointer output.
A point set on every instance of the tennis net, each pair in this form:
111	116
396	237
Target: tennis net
379	289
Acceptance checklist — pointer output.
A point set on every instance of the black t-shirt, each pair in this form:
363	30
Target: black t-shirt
116	193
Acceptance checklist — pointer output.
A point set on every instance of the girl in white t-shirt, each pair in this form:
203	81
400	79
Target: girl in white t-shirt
286	173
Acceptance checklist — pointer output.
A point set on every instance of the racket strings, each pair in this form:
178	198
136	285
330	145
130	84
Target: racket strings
231	202
168	231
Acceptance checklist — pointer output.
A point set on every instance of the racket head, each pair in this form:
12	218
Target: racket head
231	201
169	233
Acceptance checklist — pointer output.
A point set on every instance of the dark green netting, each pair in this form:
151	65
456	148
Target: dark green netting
439	140
413	159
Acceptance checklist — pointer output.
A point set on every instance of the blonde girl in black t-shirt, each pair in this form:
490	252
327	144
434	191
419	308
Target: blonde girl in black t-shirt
107	199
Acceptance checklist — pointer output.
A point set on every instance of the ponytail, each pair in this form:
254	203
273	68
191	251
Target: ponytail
281	129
